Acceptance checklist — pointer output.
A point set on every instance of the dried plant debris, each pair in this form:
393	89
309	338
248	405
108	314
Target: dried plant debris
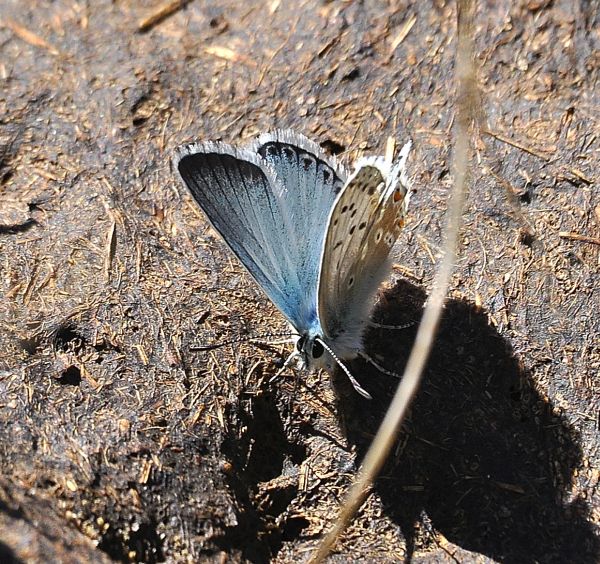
135	448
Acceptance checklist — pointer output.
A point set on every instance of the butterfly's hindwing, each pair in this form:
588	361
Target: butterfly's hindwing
363	227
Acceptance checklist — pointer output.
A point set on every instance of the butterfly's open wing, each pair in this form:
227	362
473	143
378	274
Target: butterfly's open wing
363	226
261	207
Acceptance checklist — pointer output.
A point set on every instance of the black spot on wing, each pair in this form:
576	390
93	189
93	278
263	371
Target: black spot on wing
275	151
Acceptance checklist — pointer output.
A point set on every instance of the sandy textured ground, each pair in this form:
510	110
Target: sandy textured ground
119	443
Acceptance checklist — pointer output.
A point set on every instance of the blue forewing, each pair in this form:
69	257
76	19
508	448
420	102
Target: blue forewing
270	202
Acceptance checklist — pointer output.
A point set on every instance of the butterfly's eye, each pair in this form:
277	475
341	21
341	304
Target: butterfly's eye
317	349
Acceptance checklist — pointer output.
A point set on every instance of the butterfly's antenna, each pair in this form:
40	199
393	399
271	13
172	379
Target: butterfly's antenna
352	379
378	366
241	340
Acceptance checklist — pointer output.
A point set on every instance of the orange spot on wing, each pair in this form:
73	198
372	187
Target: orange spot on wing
397	196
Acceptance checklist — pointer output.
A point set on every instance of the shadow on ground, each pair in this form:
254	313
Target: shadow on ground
483	457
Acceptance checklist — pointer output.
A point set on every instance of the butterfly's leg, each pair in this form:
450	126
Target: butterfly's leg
286	364
376	325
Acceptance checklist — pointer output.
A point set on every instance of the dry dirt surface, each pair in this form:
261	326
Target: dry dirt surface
120	443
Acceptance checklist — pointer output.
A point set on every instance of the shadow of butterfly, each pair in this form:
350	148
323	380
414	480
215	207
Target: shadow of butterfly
315	238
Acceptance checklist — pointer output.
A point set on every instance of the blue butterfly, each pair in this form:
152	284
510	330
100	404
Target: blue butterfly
314	237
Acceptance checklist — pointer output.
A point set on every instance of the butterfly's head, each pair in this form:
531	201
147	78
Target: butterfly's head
312	352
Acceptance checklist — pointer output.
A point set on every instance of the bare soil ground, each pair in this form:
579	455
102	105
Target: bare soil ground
117	443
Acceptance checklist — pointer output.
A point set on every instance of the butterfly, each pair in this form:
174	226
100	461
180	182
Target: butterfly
315	237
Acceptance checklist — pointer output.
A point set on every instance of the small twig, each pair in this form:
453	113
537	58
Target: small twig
229	55
513	200
111	245
578	174
578	237
390	148
89	378
267	65
29	37
404	31
163	12
515	144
